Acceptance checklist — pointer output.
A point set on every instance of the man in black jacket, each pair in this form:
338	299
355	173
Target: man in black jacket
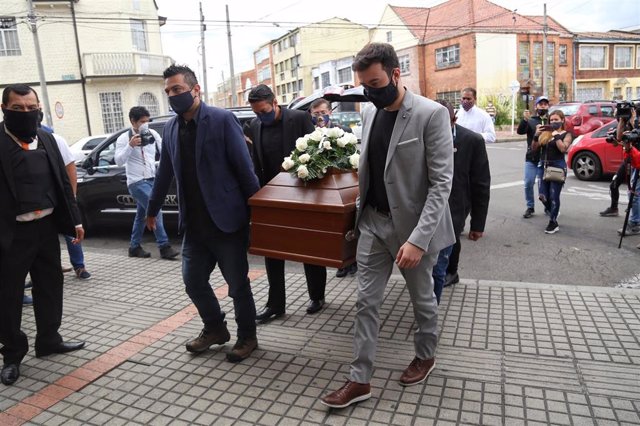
274	134
37	204
531	170
469	195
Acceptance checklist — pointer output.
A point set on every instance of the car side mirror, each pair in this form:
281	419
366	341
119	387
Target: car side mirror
87	164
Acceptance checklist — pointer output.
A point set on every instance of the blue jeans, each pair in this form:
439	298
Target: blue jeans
440	271
76	256
200	254
549	191
531	171
141	191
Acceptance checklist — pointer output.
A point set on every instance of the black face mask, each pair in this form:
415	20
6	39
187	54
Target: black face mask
23	125
381	97
542	112
181	103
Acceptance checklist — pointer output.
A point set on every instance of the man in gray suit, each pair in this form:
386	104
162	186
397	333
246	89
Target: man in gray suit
406	170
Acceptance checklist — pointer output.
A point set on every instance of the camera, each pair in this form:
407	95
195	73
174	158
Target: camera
624	109
146	137
632	137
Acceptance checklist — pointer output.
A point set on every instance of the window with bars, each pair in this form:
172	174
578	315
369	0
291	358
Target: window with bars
405	63
448	56
537	63
345	75
523	61
138	35
150	102
326	79
453	98
9	43
111	107
562	55
551	80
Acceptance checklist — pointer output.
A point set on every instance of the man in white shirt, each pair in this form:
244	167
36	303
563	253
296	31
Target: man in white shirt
474	118
136	150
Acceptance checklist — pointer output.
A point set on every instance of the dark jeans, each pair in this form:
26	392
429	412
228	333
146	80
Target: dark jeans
35	248
618	179
316	282
549	191
440	271
454	257
201	251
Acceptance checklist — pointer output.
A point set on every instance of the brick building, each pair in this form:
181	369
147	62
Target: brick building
460	43
607	65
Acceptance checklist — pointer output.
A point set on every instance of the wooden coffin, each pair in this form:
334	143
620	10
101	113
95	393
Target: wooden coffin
306	222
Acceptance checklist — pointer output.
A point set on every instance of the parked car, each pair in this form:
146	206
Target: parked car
82	147
585	117
103	196
591	157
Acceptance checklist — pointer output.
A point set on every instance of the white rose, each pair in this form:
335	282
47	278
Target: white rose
343	141
301	144
304	158
326	144
353	139
354	160
302	172
316	135
335	132
287	163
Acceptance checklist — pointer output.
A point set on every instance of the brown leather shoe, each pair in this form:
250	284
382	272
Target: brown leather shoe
348	394
417	371
218	336
242	349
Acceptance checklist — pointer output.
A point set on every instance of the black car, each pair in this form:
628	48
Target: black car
103	196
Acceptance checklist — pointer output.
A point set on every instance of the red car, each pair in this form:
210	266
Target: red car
591	157
585	117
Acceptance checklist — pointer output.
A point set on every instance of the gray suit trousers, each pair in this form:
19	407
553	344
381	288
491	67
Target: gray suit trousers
378	246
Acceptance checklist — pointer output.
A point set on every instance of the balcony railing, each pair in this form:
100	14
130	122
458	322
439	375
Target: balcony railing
124	63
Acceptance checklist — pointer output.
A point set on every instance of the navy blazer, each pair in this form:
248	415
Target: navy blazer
223	166
66	214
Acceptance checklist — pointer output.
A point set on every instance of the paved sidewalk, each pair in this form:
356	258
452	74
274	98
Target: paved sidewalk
509	354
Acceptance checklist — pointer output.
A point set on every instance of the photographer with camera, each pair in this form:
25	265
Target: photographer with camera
136	150
628	134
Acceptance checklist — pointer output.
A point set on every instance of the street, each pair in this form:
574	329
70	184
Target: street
513	249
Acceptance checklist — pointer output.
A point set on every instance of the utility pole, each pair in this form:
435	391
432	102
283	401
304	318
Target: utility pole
43	80
83	80
233	79
544	53
203	28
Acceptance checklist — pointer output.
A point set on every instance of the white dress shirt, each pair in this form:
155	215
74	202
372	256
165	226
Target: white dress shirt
139	161
479	121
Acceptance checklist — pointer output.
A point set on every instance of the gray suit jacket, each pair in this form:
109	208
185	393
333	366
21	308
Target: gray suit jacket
418	172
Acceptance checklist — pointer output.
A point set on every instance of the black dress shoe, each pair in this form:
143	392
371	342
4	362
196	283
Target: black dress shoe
60	348
268	314
451	279
314	306
10	373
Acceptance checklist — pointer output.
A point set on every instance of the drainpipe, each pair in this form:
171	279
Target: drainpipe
82	78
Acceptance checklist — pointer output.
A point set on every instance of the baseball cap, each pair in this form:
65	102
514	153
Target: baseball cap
541	98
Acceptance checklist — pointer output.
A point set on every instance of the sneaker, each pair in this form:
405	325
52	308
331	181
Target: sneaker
528	213
609	212
242	349
167	252
27	300
632	229
138	252
348	394
217	336
342	272
417	372
552	227
353	269
82	274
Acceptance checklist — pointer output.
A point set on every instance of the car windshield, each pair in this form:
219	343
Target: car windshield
602	131
567	110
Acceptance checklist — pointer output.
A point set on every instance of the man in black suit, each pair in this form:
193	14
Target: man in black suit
37	204
274	134
470	193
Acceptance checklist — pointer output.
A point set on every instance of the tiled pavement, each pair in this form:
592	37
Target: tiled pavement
510	353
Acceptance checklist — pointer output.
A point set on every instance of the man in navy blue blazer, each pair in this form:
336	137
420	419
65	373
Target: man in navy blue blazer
204	150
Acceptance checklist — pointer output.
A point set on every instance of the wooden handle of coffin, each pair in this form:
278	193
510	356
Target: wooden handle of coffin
350	236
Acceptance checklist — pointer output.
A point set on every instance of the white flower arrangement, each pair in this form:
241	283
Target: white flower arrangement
325	148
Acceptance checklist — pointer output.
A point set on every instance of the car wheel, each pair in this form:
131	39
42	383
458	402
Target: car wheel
586	166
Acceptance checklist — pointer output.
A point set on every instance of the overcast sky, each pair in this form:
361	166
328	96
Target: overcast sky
254	22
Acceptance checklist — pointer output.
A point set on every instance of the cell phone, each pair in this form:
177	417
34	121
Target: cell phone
546	128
